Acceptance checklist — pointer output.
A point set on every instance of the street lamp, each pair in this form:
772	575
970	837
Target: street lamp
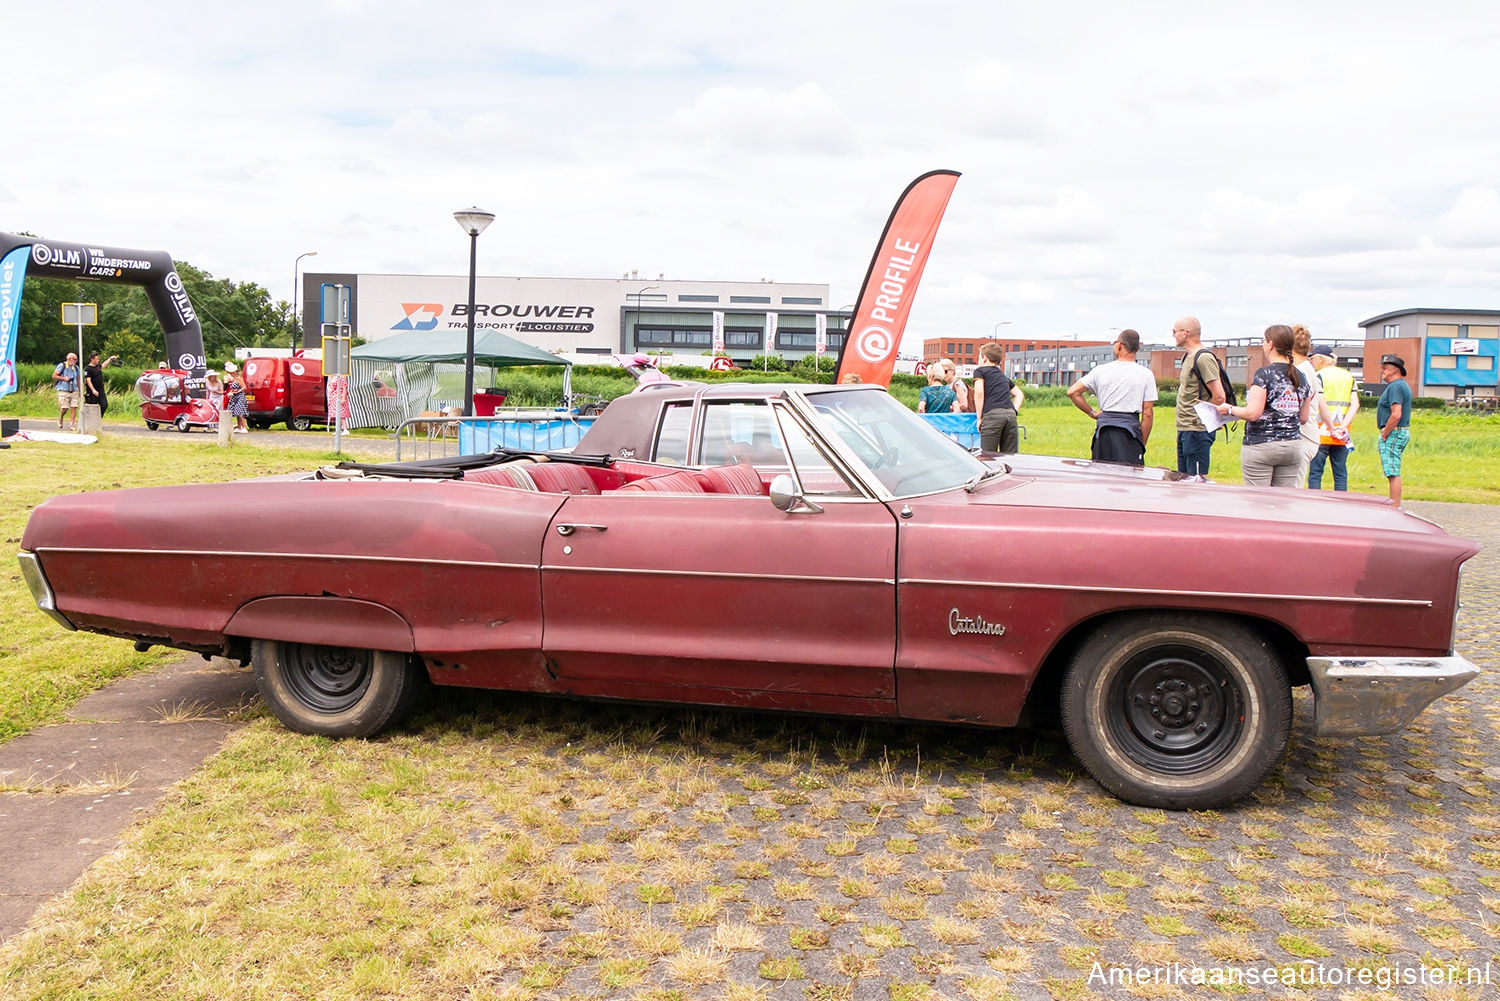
296	290
637	296
472	221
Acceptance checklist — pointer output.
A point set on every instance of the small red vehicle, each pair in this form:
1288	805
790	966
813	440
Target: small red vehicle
166	398
285	389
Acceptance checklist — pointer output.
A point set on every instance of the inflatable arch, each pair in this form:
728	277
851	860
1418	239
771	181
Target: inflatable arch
153	269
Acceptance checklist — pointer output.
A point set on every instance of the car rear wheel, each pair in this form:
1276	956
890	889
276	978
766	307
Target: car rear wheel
152	425
299	423
1183	712
335	691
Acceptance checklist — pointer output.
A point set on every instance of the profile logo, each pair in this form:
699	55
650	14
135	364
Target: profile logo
873	344
420	316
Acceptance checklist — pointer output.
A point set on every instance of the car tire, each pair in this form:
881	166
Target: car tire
335	691
152	425
299	423
181	423
1182	712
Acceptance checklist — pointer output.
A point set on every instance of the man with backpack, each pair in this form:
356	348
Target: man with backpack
1203	378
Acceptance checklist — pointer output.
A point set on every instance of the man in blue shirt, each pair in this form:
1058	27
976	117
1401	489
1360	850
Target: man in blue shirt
65	378
1393	416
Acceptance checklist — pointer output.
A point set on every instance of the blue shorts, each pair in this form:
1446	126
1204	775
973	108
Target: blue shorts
1391	448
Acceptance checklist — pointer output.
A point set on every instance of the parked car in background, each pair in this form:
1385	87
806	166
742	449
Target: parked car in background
847	559
166	398
285	390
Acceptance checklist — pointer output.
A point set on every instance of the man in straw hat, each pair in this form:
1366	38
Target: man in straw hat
1393	416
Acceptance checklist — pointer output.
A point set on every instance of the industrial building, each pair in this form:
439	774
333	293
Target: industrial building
602	316
1449	353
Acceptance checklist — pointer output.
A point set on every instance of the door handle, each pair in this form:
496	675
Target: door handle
569	529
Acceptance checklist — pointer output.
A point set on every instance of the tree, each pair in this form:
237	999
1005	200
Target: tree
231	316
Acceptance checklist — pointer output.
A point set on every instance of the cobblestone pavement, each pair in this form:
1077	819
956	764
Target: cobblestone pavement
671	853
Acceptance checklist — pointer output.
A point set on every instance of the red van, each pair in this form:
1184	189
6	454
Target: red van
285	389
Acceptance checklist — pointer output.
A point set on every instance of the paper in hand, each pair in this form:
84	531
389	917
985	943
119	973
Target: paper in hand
1209	415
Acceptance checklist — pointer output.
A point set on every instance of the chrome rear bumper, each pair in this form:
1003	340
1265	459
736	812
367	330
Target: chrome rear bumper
1359	696
41	591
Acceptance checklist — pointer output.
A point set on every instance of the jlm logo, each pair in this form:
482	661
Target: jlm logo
420	316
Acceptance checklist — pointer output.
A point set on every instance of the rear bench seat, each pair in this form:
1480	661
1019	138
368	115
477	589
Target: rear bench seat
568	478
544	477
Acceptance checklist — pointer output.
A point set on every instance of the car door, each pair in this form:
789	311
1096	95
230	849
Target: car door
714	597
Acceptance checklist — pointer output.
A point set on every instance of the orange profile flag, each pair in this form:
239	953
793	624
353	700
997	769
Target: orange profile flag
885	299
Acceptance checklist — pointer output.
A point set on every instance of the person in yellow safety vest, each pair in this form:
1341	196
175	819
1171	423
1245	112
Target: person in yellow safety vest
1334	443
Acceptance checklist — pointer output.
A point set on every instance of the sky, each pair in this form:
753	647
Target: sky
1123	164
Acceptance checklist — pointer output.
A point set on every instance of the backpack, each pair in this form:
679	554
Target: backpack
1229	397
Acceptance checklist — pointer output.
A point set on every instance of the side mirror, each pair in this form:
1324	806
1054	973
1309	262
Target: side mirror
784	496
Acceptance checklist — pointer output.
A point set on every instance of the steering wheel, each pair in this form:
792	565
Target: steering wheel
889	456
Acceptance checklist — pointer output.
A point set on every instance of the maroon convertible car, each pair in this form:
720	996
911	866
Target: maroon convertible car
845	559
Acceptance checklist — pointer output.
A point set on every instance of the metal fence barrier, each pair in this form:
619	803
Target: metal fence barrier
544	431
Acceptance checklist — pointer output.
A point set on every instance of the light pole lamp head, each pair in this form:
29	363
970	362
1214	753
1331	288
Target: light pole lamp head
473	220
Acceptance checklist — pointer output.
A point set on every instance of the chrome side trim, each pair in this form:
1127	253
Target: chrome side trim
198	553
1360	696
41	591
1163	593
718	575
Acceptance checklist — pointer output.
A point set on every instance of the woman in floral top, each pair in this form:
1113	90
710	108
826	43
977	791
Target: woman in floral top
1276	405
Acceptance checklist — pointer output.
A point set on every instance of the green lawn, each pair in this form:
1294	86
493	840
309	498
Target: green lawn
1452	457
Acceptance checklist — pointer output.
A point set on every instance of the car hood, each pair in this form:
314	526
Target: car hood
1109	491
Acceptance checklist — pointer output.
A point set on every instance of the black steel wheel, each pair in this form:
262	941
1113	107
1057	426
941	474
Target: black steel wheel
152	425
1177	711
334	691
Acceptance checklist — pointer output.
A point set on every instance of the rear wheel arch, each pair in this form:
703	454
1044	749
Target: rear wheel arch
326	620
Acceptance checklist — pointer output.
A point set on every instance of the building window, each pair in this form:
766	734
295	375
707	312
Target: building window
835	340
801	300
797	340
742	338
1442	330
1442	361
674	337
751	298
1480	363
697	298
1392	330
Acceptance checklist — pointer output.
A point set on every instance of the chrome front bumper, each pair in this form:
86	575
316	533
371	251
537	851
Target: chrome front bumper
1359	696
41	591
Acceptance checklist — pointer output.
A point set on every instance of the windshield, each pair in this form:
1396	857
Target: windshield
905	453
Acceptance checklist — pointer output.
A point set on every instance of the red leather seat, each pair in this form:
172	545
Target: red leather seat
562	478
513	475
680	482
737	478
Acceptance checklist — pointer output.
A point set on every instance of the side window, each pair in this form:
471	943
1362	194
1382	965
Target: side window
738	431
675	435
816	474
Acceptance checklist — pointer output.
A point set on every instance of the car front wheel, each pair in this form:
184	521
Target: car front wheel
334	691
1183	712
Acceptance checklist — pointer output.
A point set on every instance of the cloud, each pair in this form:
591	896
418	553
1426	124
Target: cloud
1473	221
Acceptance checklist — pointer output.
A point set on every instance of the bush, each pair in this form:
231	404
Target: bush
768	363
